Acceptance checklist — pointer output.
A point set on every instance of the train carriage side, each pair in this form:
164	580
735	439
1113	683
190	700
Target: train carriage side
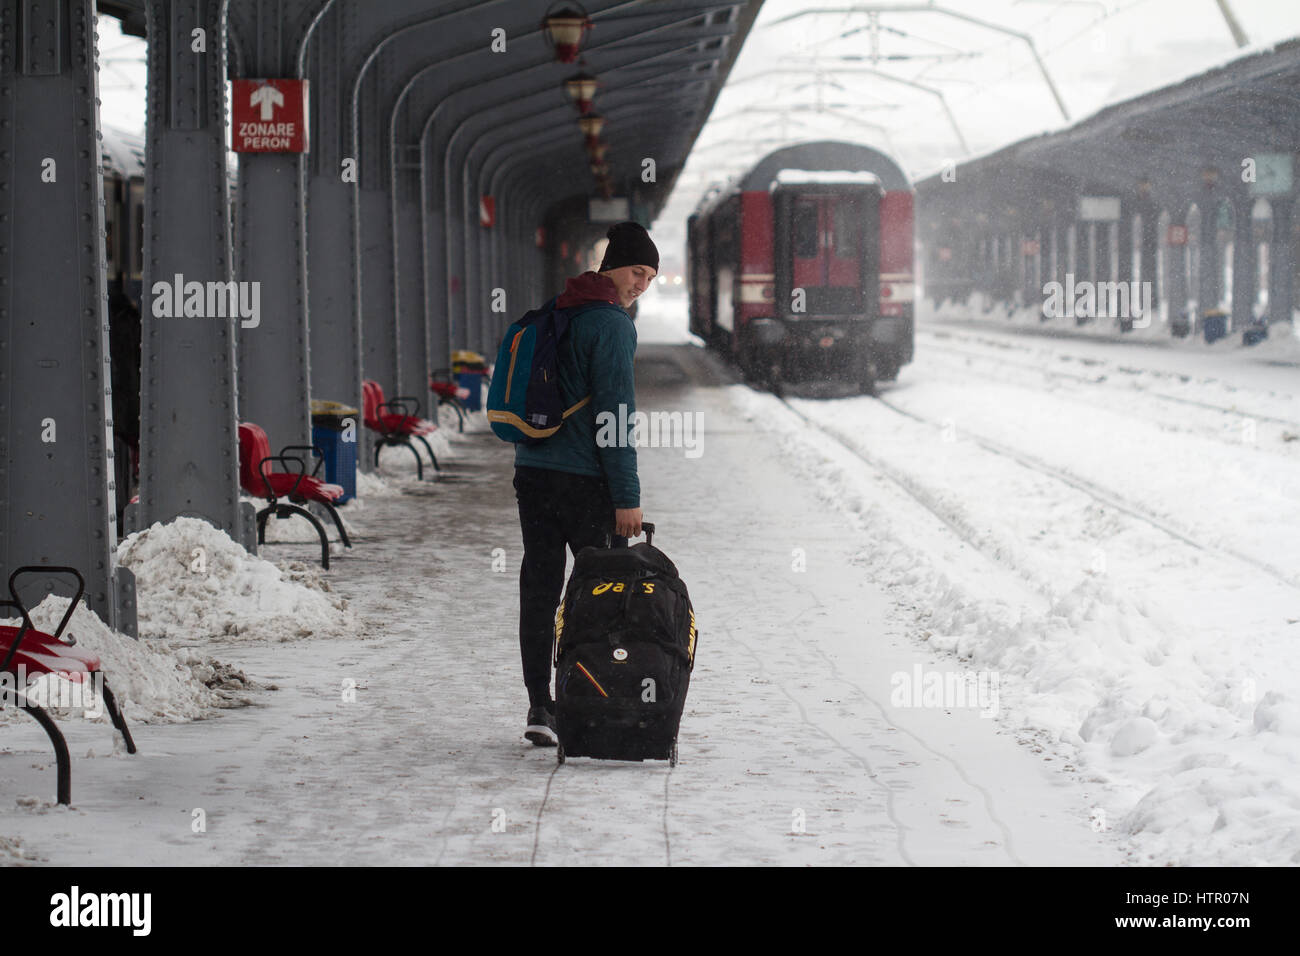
713	266
895	332
699	288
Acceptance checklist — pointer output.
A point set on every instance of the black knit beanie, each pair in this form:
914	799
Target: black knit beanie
629	245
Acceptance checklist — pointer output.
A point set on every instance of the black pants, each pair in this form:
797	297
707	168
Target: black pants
555	509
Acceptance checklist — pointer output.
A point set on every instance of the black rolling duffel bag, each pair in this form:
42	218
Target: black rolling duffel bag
624	650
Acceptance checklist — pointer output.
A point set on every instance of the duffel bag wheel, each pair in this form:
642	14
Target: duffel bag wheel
672	755
559	754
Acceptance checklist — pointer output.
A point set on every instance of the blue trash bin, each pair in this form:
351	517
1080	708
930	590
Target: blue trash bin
340	456
1214	325
474	382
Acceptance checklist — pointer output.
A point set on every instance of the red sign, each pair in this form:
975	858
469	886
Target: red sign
1177	236
1029	247
539	237
268	116
945	254
487	211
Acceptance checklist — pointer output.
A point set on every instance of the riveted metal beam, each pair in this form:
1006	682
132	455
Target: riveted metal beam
189	454
274	368
57	499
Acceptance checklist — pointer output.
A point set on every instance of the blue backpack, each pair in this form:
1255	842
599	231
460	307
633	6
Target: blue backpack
524	403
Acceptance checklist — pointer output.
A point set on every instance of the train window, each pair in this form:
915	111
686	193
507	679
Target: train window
110	237
805	228
112	215
135	228
724	233
846	228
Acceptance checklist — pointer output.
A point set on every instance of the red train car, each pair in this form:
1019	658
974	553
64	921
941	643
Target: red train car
804	267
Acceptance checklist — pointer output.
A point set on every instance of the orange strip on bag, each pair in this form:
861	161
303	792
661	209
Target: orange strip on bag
592	679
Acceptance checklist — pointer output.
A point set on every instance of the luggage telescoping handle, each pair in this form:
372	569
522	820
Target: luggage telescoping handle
647	526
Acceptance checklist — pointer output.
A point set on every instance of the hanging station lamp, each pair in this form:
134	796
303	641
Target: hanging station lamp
581	88
566	25
591	125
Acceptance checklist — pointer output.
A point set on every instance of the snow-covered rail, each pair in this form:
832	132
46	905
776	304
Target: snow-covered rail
972	535
943	344
1102	496
914	488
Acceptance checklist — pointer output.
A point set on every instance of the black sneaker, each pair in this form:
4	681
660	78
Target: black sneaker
541	727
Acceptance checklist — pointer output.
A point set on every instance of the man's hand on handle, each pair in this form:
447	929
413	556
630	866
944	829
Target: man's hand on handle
627	522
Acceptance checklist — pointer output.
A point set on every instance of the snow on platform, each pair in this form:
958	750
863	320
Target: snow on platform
400	740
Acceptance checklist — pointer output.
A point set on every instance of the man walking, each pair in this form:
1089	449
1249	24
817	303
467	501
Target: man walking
572	490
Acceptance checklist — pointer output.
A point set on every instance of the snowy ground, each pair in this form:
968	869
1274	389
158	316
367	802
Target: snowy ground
1114	538
1091	539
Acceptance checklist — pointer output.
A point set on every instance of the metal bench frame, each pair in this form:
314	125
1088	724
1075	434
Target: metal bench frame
49	645
281	508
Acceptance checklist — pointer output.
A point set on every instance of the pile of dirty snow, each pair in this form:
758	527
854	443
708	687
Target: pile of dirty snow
152	681
370	485
194	584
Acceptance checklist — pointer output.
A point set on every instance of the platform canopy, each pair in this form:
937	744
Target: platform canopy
659	65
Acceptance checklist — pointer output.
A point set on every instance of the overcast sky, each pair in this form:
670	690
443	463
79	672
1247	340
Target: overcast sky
1095	52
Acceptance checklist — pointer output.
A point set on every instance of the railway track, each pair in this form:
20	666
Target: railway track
1054	373
1096	492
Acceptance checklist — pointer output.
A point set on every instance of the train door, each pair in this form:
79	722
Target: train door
826	244
698	277
724	232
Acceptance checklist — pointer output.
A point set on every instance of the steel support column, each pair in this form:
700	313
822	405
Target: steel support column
1281	261
1209	266
1176	268
189	453
1245	262
334	327
374	218
1123	266
57	500
274	377
1150	249
408	250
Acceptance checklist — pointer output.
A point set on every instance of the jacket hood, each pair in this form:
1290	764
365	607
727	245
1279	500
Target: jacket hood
588	287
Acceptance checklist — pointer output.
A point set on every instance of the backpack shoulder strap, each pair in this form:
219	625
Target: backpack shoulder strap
533	315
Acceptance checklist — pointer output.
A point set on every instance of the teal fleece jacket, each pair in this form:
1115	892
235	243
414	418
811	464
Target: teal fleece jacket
595	358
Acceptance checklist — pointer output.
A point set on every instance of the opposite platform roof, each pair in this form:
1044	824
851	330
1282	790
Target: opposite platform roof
1168	136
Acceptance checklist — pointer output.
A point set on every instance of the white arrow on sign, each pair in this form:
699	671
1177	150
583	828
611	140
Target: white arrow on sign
268	97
